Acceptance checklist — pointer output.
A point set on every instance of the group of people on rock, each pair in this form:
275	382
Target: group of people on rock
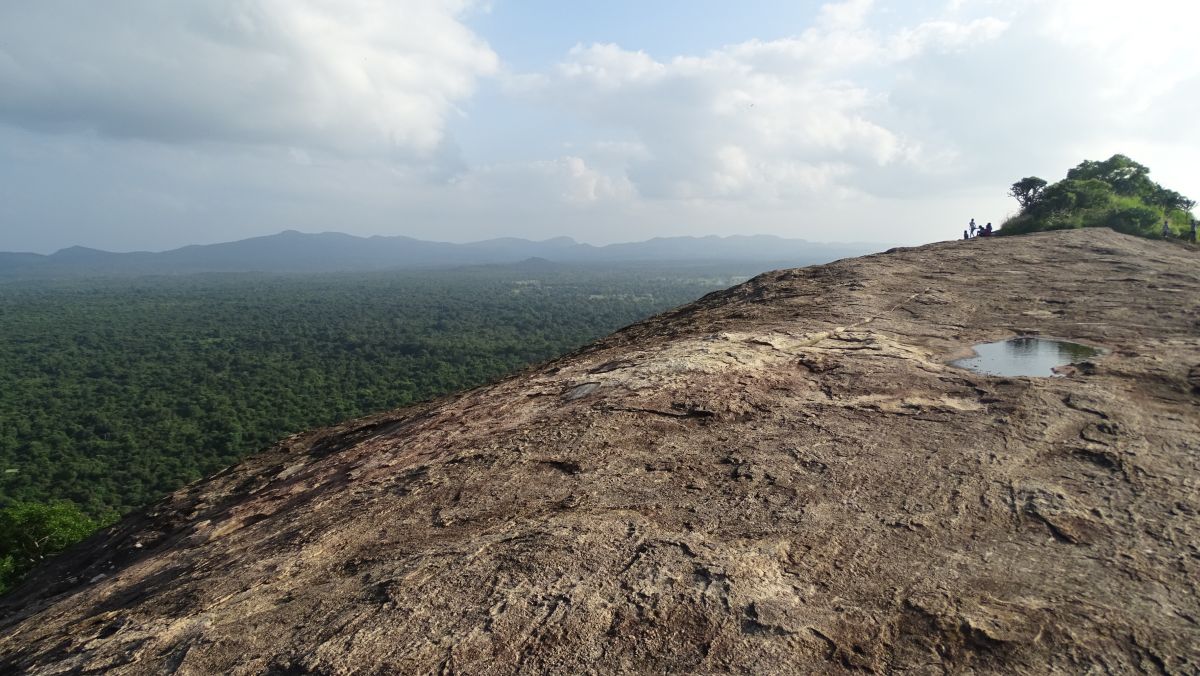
1166	231
977	230
986	231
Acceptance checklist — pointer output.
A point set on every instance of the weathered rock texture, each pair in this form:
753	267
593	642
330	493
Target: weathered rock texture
784	477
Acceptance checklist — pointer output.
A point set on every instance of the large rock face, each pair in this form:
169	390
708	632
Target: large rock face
785	477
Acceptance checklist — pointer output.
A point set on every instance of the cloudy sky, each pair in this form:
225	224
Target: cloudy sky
142	124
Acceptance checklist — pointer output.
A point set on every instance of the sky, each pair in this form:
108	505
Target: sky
148	125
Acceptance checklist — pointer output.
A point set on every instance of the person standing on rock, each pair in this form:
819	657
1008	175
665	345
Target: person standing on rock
973	227
1166	228
1193	229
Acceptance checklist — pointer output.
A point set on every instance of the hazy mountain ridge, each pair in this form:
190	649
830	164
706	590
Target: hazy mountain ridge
292	251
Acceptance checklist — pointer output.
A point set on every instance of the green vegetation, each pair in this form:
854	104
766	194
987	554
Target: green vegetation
32	532
1116	193
115	392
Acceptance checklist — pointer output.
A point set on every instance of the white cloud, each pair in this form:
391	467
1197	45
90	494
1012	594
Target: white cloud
944	37
1146	48
767	120
847	15
565	181
976	93
360	77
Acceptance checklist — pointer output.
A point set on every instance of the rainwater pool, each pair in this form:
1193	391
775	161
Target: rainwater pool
1025	356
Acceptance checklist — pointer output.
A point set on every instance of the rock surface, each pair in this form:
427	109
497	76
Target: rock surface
785	477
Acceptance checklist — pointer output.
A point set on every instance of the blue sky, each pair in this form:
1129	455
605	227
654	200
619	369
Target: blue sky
146	125
531	35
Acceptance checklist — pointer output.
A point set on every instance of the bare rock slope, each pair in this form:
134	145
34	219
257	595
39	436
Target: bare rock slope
785	477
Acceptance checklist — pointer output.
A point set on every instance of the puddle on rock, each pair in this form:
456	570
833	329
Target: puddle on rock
1025	356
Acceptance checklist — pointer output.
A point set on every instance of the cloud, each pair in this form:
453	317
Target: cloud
764	120
173	122
847	15
1064	82
1146	48
870	104
565	181
357	77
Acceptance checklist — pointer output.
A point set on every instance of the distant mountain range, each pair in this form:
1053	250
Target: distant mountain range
293	251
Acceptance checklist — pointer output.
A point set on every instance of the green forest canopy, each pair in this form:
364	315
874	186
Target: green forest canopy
31	532
114	392
1116	193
